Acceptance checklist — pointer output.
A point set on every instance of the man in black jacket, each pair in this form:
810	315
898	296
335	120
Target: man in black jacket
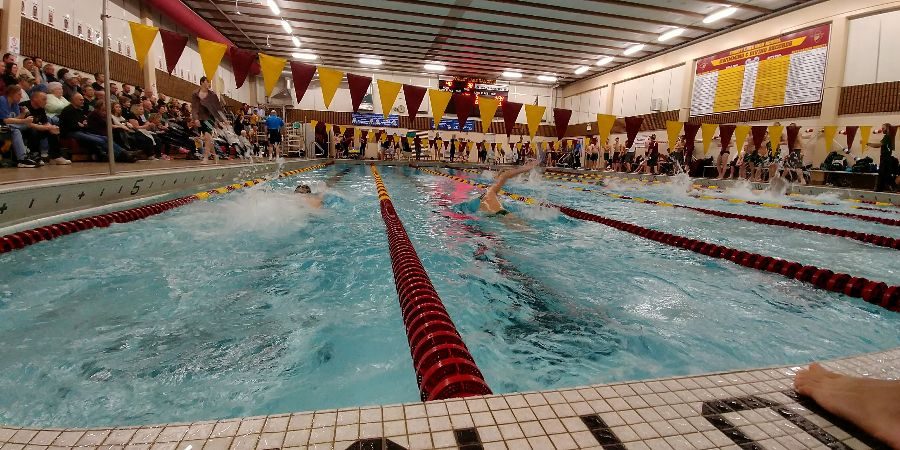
73	124
41	134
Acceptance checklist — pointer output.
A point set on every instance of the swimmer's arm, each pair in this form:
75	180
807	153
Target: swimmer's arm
503	177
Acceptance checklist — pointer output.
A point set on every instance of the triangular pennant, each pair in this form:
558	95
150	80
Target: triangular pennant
173	46
775	132
605	123
533	115
439	101
740	137
410	140
211	54
142	36
370	137
708	131
357	133
302	75
271	68
793	131
851	135
632	126
241	60
511	112
414	96
463	103
330	79
690	136
830	132
561	119
725	134
358	85
343	129
673	129
387	93
487	107
759	135
864	132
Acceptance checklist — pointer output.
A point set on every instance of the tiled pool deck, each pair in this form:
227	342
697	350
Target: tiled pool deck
753	409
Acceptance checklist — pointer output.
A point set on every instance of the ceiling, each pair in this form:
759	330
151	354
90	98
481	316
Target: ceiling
474	37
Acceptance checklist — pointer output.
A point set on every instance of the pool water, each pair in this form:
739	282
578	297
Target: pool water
254	303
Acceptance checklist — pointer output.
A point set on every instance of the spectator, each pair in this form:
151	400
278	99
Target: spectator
31	69
11	76
41	134
122	130
114	91
125	101
48	75
99	82
70	85
55	100
89	99
887	164
26	82
16	119
73	124
8	58
61	73
274	125
3	84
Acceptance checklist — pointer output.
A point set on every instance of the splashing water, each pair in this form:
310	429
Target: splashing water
679	184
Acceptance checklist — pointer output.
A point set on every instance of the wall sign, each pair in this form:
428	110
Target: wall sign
375	120
453	125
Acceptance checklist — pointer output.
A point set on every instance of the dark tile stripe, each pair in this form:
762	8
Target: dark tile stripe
602	433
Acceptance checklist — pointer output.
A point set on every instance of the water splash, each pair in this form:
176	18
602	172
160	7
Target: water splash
679	184
262	212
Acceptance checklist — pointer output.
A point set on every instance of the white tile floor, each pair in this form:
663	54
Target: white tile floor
753	409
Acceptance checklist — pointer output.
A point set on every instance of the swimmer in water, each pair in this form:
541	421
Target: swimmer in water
312	200
489	201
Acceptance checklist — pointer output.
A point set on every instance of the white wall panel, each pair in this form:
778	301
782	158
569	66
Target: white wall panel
863	36
889	48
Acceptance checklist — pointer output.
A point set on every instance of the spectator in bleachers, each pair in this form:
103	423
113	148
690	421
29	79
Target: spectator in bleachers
55	100
15	118
11	75
26	83
8	58
70	85
114	92
99	82
38	65
128	91
42	135
89	99
48	73
30	69
74	124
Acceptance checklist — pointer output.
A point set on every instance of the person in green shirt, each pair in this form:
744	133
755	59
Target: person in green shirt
887	169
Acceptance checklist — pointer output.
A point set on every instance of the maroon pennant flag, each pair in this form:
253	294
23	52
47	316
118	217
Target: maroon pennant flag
414	96
632	126
690	134
302	74
759	135
726	132
358	86
173	47
851	135
561	119
793	131
241	60
363	134
510	114
464	104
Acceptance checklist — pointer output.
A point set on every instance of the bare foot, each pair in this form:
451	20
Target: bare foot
873	405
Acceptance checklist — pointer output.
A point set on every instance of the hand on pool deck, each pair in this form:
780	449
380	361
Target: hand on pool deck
490	202
871	404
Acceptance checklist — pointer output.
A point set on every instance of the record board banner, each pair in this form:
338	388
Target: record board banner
375	120
453	125
784	70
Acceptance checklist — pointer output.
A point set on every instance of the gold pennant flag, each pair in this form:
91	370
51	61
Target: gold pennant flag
343	129
387	93
487	107
471	145
518	146
383	137
775	132
605	123
439	101
371	135
357	132
864	132
329	130
709	131
396	139
271	68
211	54
533	115
740	136
329	79
673	129
410	140
314	123
142	36
830	132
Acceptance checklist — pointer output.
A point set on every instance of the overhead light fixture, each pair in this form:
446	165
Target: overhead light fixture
581	70
274	7
547	78
306	56
633	49
674	32
435	67
296	41
720	14
286	26
370	61
605	60
511	74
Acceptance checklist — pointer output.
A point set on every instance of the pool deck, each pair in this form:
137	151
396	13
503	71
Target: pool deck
749	409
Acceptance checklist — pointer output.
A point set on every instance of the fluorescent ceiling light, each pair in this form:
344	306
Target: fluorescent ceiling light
274	7
296	41
435	67
547	78
675	32
605	60
720	14
581	70
286	26
511	74
370	61
306	56
633	49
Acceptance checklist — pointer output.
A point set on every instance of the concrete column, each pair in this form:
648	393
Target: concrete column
11	24
148	72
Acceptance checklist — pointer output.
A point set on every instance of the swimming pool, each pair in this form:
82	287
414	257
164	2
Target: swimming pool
252	303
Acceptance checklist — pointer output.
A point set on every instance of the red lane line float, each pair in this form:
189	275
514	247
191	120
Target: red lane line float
444	366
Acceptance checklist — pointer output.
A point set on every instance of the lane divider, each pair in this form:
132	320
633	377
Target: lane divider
22	239
874	292
444	367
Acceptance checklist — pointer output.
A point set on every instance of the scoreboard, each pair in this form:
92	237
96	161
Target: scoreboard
478	87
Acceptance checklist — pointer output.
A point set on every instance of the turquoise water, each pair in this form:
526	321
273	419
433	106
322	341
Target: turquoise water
253	303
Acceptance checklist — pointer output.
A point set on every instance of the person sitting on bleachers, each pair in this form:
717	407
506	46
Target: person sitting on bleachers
48	73
27	84
74	124
55	100
30	69
15	118
70	86
41	134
